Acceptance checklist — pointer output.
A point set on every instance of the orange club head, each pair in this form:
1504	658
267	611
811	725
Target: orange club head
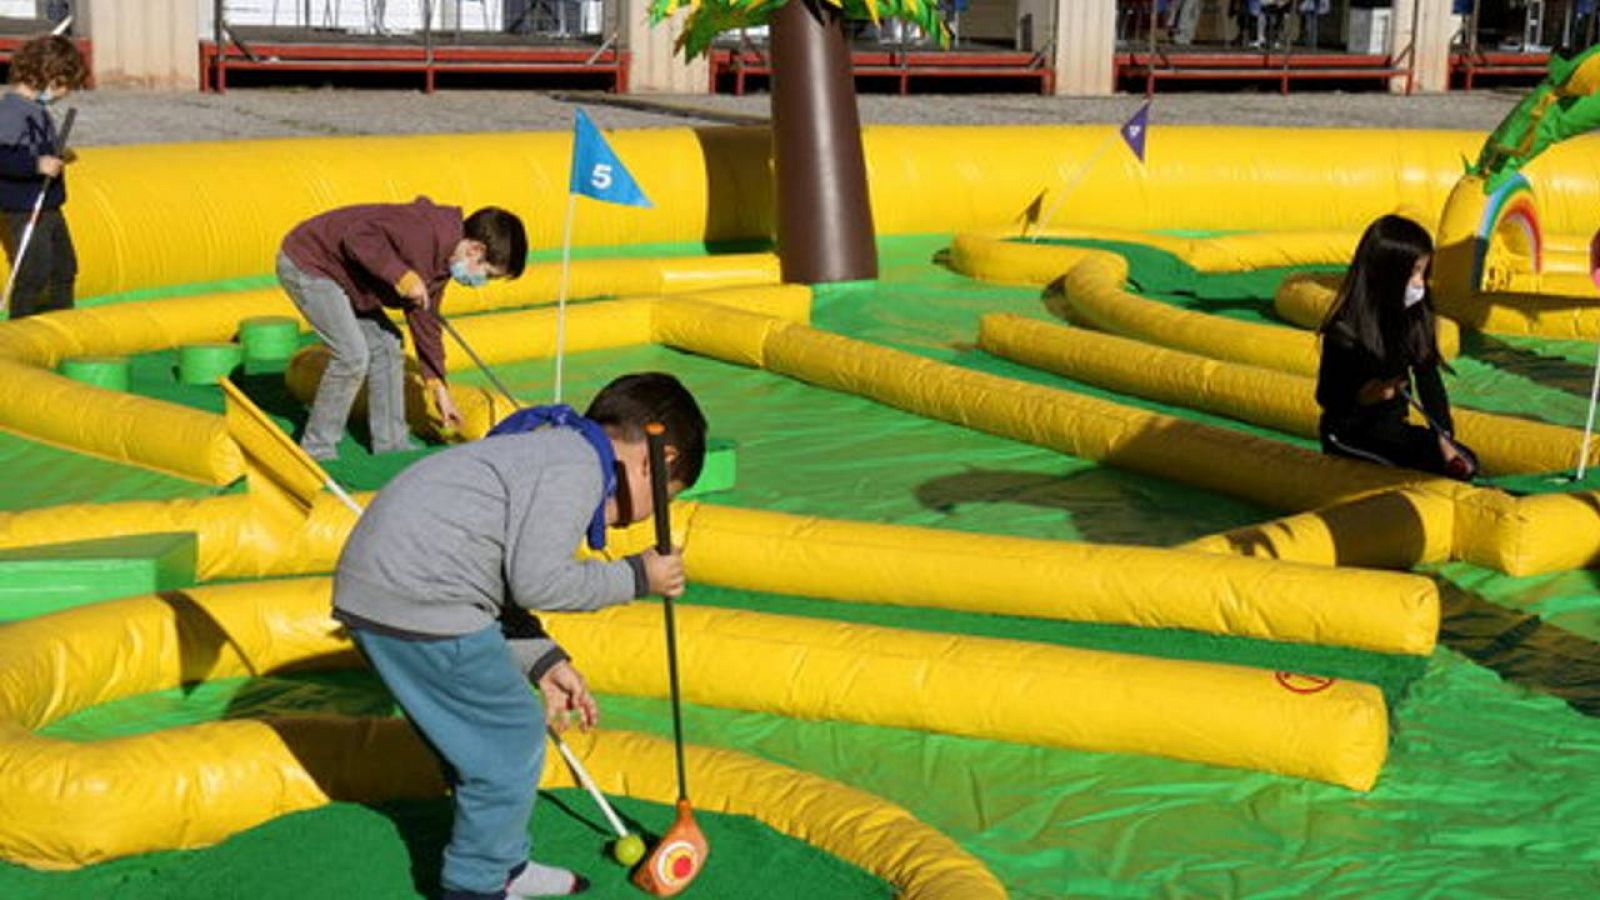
677	859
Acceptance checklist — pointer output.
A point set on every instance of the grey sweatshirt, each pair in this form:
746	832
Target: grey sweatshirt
460	535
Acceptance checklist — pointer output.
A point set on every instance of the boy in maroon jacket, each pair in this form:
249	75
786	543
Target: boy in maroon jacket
343	268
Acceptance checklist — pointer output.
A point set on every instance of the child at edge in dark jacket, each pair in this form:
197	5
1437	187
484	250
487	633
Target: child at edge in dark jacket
43	71
1377	341
437	580
344	268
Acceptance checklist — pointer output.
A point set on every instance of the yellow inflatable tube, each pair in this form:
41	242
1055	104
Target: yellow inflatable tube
1147	587
192	444
71	804
1304	300
1222	253
1397	529
778	553
1278	400
511	337
1541	315
1280	476
1517	536
154	215
1093	294
855	826
1432	522
990	689
45	407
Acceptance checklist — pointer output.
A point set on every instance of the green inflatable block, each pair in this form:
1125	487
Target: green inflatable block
269	342
207	363
718	474
51	577
109	372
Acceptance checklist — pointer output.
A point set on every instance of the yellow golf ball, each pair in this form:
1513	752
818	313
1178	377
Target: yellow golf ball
628	849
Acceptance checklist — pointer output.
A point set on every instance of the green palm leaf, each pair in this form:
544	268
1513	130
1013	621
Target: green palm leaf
709	18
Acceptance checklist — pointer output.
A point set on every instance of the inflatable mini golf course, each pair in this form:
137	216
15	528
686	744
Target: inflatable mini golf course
1020	575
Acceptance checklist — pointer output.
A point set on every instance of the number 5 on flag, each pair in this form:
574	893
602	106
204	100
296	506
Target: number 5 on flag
597	171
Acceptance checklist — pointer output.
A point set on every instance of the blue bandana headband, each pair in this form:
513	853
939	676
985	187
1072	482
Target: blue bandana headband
563	416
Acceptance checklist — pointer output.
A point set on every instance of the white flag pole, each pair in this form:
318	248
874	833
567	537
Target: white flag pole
1594	386
1588	423
1073	183
561	289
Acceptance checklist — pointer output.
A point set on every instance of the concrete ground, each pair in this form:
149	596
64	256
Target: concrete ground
133	117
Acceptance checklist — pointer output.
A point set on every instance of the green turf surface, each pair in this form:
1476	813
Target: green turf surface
1488	790
38	475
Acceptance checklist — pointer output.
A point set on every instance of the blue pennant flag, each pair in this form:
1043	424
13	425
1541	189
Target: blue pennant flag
1136	129
596	170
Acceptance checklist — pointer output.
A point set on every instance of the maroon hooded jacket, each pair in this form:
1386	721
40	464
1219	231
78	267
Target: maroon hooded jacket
372	251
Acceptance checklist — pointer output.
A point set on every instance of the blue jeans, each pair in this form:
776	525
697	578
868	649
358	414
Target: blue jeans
477	711
362	348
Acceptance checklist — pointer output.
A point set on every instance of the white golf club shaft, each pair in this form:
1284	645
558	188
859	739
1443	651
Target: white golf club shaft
1588	422
588	784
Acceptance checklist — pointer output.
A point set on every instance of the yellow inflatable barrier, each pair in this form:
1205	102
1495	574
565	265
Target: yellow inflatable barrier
1530	314
71	804
1304	300
509	337
1143	586
1280	476
1093	294
1518	536
46	407
134	206
1432	522
991	689
1277	400
863	562
878	836
1398	529
1245	252
127	200
191	444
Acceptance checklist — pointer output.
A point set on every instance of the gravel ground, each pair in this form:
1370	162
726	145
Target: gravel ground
136	117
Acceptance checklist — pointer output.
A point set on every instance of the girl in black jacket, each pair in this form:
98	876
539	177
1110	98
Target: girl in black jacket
1377	341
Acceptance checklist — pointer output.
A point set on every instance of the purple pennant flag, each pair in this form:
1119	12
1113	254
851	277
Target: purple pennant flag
1136	129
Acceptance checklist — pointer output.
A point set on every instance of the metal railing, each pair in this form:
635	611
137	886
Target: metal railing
431	36
418	21
1279	26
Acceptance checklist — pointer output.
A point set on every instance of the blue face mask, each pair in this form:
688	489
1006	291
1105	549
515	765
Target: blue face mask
464	275
45	98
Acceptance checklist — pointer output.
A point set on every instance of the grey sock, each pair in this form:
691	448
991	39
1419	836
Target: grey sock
536	880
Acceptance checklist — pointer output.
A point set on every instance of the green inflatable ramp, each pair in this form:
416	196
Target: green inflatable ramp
43	579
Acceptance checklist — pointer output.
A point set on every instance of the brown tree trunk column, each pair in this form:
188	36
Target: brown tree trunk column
824	212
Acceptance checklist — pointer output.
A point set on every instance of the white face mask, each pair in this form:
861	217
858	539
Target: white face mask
1415	293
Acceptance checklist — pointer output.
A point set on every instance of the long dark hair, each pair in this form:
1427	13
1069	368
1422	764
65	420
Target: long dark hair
1370	312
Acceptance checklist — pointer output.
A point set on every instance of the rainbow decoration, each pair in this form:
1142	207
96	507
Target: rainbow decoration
1511	206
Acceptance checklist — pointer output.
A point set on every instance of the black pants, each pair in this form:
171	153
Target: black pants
1391	444
49	267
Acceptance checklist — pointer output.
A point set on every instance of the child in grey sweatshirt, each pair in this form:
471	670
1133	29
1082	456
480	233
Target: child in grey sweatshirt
437	579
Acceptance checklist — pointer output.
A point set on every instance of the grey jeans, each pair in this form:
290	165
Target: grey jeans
363	349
